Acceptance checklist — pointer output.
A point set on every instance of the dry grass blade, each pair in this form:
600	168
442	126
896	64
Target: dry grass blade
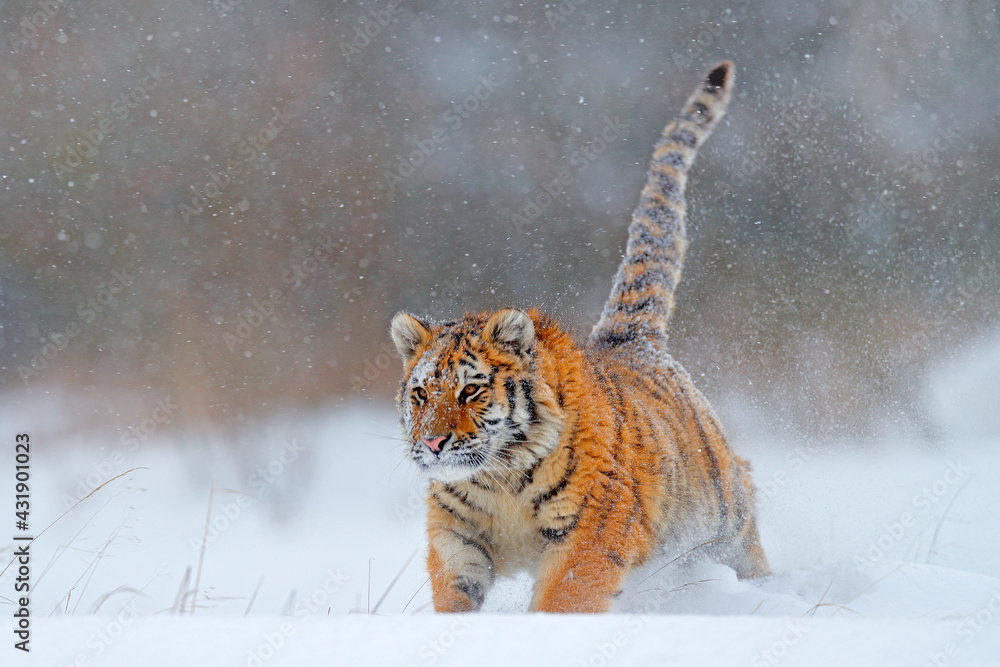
944	515
683	555
121	589
415	595
289	608
92	567
253	597
181	597
201	555
394	580
812	610
70	510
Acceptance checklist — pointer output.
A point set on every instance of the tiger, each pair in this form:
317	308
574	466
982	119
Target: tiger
577	461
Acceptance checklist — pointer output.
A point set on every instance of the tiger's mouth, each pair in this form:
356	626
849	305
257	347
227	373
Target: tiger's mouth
449	458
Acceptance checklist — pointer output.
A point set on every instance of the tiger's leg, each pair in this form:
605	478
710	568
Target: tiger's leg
585	568
744	552
747	555
460	564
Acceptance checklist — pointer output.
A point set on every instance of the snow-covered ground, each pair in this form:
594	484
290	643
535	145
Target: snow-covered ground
882	556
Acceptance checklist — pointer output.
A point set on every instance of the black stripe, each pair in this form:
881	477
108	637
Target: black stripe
612	388
608	339
674	159
648	253
702	111
608	506
637	307
452	511
530	400
511	389
666	216
669	186
559	534
717	482
553	534
622	333
683	137
553	491
649	275
475	482
463	497
469	542
638	511
529	476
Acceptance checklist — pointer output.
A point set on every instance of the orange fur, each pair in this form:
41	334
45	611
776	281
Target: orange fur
576	461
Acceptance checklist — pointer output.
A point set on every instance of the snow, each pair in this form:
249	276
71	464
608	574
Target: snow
506	640
882	556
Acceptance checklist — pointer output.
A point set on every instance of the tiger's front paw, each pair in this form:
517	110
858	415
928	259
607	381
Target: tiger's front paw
463	595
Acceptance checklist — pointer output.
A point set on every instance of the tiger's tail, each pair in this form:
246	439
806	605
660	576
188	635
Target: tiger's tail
642	295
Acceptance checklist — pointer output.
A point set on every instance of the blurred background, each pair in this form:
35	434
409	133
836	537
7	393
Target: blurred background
211	209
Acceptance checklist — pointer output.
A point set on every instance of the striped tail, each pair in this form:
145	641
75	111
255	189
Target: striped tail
643	292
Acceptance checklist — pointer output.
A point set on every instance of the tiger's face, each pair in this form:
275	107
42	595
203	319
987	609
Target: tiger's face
469	400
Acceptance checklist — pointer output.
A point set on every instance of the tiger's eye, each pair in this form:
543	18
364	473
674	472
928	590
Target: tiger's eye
470	389
421	393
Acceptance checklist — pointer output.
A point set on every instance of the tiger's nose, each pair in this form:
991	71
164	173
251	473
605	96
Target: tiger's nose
434	442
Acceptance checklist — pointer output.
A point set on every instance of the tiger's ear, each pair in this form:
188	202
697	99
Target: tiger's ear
512	330
409	333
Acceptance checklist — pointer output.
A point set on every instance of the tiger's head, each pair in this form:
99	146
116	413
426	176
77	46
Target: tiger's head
471	401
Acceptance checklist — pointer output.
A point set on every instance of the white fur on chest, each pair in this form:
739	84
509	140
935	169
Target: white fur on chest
512	530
